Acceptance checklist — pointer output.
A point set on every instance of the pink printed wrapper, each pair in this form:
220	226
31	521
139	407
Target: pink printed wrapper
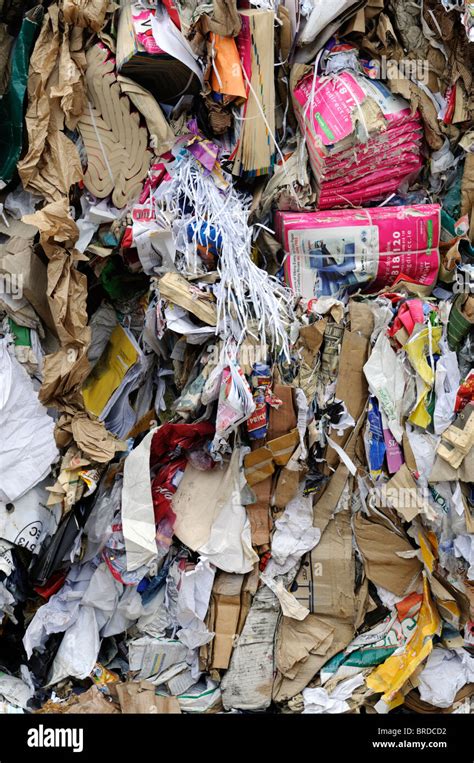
367	174
337	100
358	179
331	251
345	197
393	452
408	131
144	33
365	153
375	155
236	401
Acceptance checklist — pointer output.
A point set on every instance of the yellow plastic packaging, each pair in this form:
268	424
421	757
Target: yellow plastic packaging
422	344
390	677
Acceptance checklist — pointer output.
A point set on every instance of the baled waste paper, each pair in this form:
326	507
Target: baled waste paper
236	357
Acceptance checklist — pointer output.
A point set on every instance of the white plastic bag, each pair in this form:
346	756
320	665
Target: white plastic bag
386	378
79	649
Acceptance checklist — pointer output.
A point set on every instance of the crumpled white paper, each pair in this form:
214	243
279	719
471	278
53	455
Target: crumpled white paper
17	691
138	517
319	701
294	535
290	605
192	604
445	672
447	380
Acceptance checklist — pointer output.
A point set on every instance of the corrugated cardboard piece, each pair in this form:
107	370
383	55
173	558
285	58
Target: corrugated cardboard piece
247	685
260	463
326	585
283	419
458	439
225	616
259	513
116	144
351	386
91	701
303	648
381	549
140	697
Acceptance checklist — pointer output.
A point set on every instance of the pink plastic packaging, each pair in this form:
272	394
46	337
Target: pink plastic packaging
359	137
329	251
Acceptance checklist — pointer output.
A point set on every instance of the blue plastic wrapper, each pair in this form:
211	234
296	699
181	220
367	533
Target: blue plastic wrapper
375	445
208	240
